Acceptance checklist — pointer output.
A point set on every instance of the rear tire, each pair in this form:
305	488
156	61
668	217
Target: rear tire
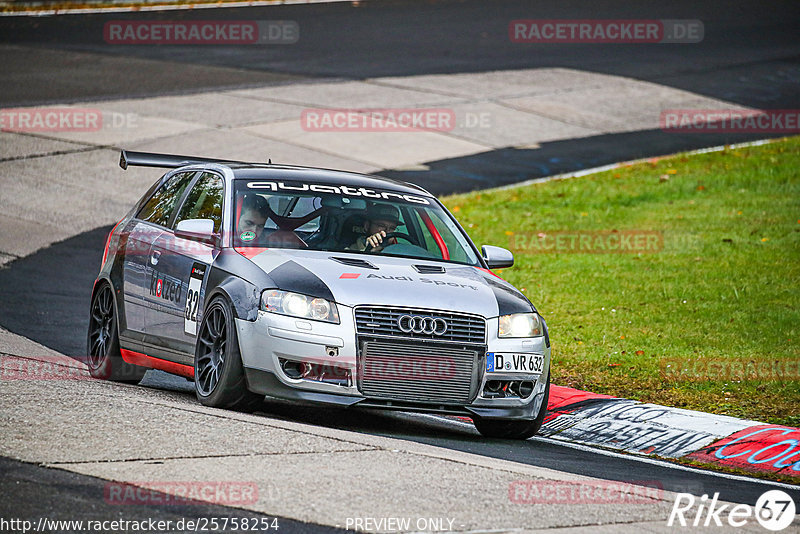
514	428
102	341
219	379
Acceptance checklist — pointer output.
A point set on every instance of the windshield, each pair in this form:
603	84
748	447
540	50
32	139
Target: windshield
333	218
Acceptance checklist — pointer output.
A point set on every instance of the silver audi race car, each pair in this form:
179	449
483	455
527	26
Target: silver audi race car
315	286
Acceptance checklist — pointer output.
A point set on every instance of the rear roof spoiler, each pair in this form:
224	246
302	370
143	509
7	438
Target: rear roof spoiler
170	161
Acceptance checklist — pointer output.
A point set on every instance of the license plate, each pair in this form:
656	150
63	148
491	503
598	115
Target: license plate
514	362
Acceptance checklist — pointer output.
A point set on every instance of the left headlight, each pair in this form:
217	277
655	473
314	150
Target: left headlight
297	305
520	325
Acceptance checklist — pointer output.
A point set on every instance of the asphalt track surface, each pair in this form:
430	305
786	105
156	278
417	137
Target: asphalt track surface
750	56
396	38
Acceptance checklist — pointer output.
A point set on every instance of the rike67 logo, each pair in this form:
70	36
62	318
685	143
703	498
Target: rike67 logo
774	510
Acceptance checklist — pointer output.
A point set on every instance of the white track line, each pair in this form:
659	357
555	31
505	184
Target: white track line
172	7
662	463
612	166
637	458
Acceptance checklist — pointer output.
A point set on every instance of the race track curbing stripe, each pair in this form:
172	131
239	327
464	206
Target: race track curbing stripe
636	427
758	448
649	429
564	400
562	397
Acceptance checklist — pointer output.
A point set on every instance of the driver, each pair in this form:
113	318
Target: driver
382	219
252	219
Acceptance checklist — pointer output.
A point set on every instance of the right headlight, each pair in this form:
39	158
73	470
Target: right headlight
520	325
297	305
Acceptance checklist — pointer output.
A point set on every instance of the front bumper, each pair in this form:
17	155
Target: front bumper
272	339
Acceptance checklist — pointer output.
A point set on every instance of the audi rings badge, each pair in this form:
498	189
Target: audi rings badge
417	324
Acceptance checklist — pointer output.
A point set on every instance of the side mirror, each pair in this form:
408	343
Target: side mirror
197	230
497	257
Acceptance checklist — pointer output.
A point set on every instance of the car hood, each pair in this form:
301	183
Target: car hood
391	281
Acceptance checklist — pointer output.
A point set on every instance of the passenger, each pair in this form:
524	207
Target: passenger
382	219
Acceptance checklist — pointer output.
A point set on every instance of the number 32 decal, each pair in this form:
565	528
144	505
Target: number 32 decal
193	298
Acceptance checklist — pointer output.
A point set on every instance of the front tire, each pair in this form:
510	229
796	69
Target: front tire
219	378
514	428
102	343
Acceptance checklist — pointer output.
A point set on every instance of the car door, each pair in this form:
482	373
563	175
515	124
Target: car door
141	232
180	271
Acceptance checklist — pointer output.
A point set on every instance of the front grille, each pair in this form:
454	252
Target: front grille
384	322
418	373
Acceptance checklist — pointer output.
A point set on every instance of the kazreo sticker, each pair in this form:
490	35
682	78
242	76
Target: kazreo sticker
247	236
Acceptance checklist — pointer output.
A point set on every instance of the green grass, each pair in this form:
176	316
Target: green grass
725	287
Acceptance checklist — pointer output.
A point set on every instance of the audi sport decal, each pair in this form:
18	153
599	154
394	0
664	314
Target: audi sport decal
193	298
337	190
410	279
349	276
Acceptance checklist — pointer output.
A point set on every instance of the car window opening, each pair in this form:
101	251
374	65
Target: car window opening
387	225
